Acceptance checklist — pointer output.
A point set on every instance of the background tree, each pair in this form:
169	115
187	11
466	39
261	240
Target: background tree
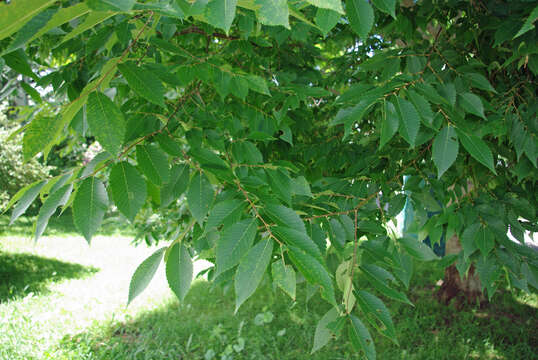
250	132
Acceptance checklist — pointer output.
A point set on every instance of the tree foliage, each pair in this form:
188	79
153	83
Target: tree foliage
272	137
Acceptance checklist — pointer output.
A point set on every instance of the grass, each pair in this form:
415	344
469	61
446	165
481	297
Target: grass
81	314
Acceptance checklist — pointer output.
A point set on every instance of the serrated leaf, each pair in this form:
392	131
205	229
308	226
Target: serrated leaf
478	149
258	84
89	206
14	16
62	16
285	217
38	135
389	124
349	116
25	198
284	277
234	243
143	82
144	273
110	5
409	120
251	270
221	13
417	249
361	17
128	189
479	81
239	87
199	196
153	163
297	239
93	18
179	270
422	106
280	184
106	122
179	181
360	338
378	281
334	5
18	61
313	272
169	145
467	240
29	29
323	334
326	20
484	240
387	6
472	104
528	25
273	12
226	212
374	308
445	149
57	198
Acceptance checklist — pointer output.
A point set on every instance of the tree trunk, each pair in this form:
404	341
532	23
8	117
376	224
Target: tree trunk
463	290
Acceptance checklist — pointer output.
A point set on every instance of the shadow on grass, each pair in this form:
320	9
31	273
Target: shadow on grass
21	274
205	324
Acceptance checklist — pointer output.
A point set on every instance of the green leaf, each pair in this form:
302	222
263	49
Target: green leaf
144	273
15	15
387	6
106	122
334	5
297	239
29	30
258	84
323	334
110	5
389	124
374	308
143	82
38	136
25	198
153	163
168	144
361	17
472	104
313	272
529	23
273	12
221	13
477	148
467	240
377	278
409	120
326	20
417	249
234	243
479	81
62	16
89	206
93	18
285	217
179	270
280	184
18	61
445	149
199	196
251	270
179	181
55	199
284	276
225	212
485	240
422	106
360	338
349	116
128	189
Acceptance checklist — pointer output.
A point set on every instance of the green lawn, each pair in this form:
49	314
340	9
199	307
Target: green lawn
60	299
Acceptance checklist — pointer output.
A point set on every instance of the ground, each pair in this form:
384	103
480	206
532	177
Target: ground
63	299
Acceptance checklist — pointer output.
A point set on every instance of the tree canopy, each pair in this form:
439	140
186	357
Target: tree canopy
273	137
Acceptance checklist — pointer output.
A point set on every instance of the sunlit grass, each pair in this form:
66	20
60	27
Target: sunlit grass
82	315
